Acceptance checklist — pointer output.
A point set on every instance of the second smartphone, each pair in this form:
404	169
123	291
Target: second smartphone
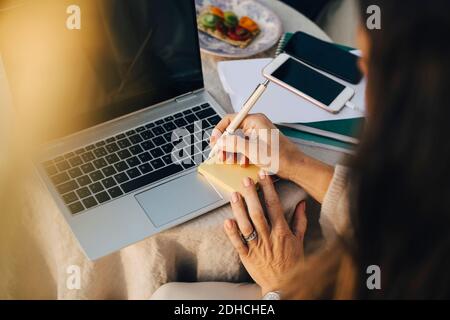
308	83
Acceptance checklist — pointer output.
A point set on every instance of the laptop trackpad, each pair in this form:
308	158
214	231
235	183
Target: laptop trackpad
177	198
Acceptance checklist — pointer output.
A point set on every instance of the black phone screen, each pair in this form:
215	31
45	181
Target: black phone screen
308	81
324	56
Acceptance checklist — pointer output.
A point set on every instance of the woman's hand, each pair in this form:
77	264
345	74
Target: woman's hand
287	153
276	250
290	163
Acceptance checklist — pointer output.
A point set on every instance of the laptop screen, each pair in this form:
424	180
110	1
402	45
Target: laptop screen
73	64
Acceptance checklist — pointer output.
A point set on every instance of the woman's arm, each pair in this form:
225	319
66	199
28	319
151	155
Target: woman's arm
312	175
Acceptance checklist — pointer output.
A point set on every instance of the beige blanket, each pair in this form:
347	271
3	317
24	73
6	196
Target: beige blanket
38	253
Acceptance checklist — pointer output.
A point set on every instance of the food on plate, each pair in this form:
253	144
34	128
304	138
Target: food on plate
228	27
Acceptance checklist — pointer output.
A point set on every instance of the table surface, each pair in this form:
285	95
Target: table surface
292	21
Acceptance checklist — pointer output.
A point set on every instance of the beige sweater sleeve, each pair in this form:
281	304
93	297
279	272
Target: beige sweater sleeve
334	216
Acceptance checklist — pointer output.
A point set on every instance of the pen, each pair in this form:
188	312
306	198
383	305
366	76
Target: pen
248	105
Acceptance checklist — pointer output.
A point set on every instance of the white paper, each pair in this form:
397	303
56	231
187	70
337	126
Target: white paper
240	77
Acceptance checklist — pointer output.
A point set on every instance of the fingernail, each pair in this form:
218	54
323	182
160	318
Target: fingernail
247	182
235	197
262	174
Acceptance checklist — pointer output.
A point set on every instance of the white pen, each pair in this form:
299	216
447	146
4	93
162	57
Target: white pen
248	105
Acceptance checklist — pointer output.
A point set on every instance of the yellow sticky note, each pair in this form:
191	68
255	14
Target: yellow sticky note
228	176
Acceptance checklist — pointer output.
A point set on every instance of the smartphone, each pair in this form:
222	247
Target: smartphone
308	83
324	56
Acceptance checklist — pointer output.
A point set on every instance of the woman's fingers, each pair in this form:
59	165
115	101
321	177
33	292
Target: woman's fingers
220	128
255	210
273	204
240	214
233	234
300	221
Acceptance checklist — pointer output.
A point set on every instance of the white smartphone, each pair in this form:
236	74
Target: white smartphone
308	83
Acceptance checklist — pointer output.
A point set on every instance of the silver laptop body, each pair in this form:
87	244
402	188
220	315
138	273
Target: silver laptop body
158	195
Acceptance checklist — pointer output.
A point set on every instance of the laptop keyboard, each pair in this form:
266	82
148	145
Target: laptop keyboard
124	163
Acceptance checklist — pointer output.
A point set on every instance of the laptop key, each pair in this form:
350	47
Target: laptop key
124	143
136	139
133	162
121	177
206	113
75	161
169	118
113	147
120	136
70	197
83	192
109	171
60	178
150	178
196	109
124	154
180	122
205	105
156	153
145	157
130	133
157	163
67	187
191	118
178	115
76	207
69	155
159	141
110	140
97	175
88	156
150	125
102	197
133	173
51	170
109	183
75	173
186	112
112	158
96	187
159	122
145	168
89	202
100	144
58	159
169	126
121	166
115	192
100	163
140	129
136	150
167	159
63	165
157	131
84	181
87	168
100	152
90	148
167	148
214	120
147	145
146	135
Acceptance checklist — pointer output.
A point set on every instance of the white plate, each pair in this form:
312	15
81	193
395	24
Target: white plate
268	21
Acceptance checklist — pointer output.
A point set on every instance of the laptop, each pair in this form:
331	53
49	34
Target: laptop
114	88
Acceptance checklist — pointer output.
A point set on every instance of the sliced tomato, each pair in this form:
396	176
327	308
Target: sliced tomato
239	34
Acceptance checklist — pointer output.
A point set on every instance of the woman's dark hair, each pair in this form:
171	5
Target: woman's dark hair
400	182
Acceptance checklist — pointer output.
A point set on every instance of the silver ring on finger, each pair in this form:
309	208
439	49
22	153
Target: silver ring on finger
253	236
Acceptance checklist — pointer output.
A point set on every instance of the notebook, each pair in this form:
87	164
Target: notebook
228	176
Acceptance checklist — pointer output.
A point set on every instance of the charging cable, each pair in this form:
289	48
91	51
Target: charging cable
352	106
